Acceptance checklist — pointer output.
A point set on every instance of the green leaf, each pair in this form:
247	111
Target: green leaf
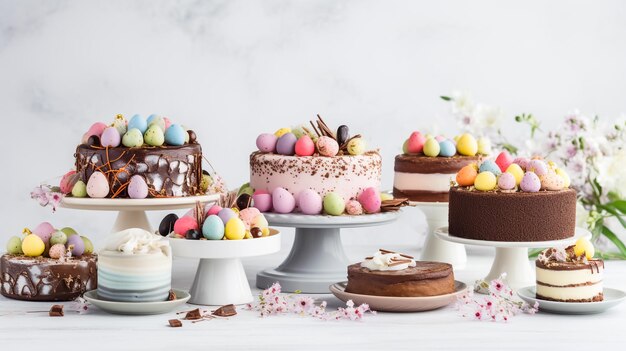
533	253
446	98
610	256
619	205
614	239
616	214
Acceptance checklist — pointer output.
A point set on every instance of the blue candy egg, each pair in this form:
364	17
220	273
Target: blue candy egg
213	228
138	122
447	148
175	135
490	166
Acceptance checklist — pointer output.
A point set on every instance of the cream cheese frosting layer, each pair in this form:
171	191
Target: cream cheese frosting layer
583	292
435	182
569	277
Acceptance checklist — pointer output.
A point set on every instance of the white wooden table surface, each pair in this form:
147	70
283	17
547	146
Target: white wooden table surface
440	329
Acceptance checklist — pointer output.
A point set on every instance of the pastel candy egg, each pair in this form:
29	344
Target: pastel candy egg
516	171
530	183
175	135
385	196
485	181
327	146
484	146
467	175
213	210
88	245
76	245
282	131
584	247
157	121
138	122
310	202
334	204
213	228
354	208
235	229
226	214
551	181
58	238
69	231
184	224
416	142
120	124
33	246
168	123
67	182
110	137
151	118
259	222
305	146
95	129
286	144
447	148
504	160
431	148
79	189
266	142
566	180
405	147
154	136
137	187
356	146
522	162
490	166
97	185
506	181
133	138
44	230
262	200
57	251
467	145
370	199
247	215
440	138
283	201
538	167
14	245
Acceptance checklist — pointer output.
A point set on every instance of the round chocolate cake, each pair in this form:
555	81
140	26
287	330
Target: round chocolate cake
512	216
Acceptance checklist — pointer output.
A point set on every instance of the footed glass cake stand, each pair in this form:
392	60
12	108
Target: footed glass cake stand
436	249
132	212
511	257
317	258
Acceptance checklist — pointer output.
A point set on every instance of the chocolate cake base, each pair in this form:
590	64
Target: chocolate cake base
597	298
425	279
47	279
519	216
419	195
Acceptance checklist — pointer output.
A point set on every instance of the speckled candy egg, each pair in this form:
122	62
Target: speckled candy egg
530	183
504	160
247	215
213	228
334	204
110	137
538	167
266	142
184	224
327	146
467	175
485	181
283	201
446	148
79	189
44	230
354	208
133	138
490	166
551	181
226	214
138	122
77	245
262	200
120	124
154	136
56	251
98	185
286	144
356	146
310	202
67	182
566	180
415	143
522	162
370	200
137	187
305	146
175	135
506	181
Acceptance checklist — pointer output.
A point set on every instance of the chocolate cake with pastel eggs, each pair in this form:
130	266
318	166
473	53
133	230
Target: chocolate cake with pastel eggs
137	159
48	265
512	200
427	166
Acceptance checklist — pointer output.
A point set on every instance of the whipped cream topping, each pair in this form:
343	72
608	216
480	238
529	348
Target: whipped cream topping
137	241
388	261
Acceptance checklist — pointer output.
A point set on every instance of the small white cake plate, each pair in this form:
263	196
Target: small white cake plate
511	257
317	258
612	297
131	212
436	249
220	278
137	308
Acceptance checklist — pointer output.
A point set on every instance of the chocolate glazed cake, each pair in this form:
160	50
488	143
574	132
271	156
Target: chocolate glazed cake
47	279
518	216
423	178
169	171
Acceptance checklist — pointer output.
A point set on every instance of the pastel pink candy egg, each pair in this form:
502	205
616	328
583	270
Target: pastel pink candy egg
522	162
184	224
262	200
370	200
266	142
530	182
506	181
44	231
95	129
504	160
354	208
416	142
283	201
110	137
310	202
440	138
137	187
213	210
98	185
67	182
248	215
305	146
538	167
327	146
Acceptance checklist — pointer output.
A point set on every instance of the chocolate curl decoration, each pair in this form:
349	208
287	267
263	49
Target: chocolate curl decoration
225	311
394	204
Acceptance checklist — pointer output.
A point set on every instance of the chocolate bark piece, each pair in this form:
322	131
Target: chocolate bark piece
225	311
175	323
56	311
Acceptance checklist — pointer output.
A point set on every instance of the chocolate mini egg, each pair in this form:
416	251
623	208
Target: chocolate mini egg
133	138
58	238
243	201
467	145
213	210
226	214
431	148
44	230
551	181
76	245
137	187
467	175
446	148
305	146
79	189
167	224
266	142
327	146
193	234
283	201
416	142
88	245
98	185
57	251
184	224
310	202
485	181
506	181
516	171
234	229
356	146
213	228
154	136
484	146
14	245
110	137
566	180
262	200
343	134
67	182
138	122
354	208
282	131
504	160
538	167
522	162
334	204
530	182
286	144
33	246
370	199
175	135
490	166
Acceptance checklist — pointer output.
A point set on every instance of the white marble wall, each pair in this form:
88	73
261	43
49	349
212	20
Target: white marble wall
231	69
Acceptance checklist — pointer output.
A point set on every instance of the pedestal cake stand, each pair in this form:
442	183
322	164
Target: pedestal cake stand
220	278
317	258
511	257
436	249
131	212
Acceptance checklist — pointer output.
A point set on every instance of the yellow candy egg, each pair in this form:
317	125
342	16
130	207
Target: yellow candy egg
431	148
561	173
282	131
385	196
235	229
484	146
584	247
517	172
485	181
33	246
467	145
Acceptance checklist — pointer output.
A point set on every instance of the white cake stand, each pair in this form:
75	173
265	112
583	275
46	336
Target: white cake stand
436	249
220	278
131	212
512	257
317	258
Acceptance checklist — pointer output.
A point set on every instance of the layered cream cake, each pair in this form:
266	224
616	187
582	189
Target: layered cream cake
135	266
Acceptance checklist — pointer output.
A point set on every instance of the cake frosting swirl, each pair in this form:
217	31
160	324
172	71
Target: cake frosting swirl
388	261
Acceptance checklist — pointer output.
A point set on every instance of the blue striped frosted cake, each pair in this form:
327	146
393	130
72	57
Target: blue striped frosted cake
135	266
